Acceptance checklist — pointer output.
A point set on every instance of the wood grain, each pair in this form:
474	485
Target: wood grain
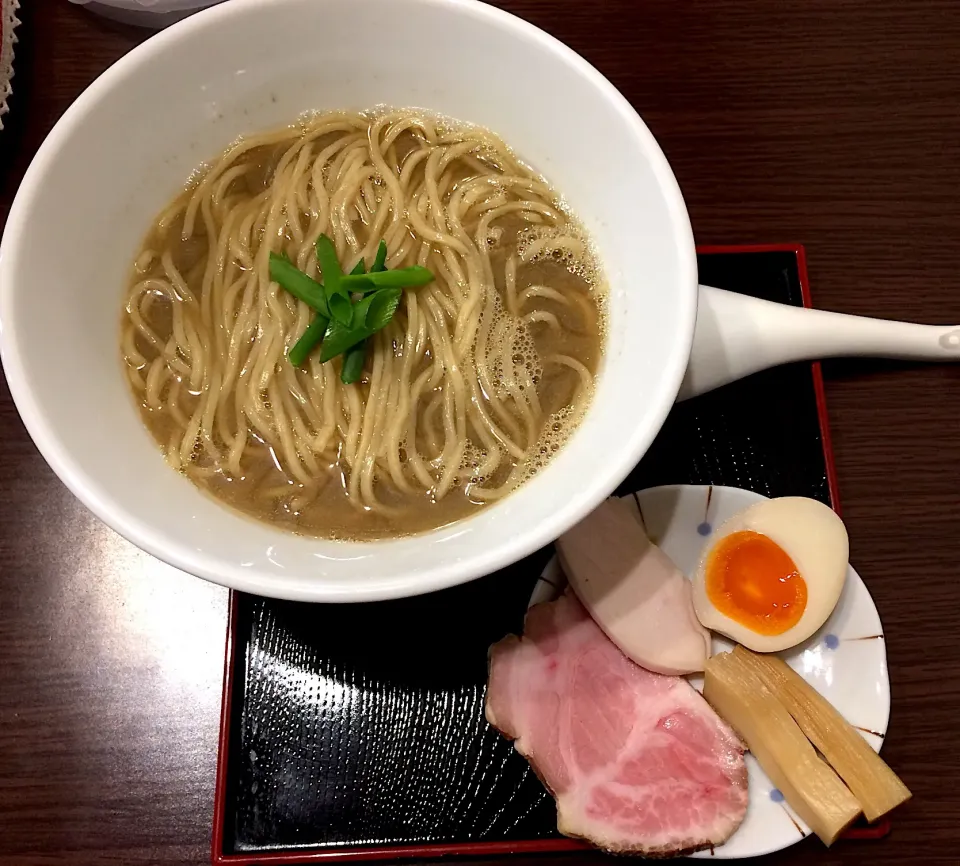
830	123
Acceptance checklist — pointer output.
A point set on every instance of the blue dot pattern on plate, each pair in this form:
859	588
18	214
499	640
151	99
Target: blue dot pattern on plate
776	796
704	528
831	641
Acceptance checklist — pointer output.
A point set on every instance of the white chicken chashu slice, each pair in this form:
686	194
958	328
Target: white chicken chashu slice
633	591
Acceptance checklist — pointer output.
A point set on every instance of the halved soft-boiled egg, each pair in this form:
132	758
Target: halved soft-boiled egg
773	573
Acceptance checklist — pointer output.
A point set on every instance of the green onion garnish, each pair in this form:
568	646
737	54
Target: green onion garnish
353	360
354	357
308	342
338	299
402	278
308	290
380	262
314	334
342	326
369	316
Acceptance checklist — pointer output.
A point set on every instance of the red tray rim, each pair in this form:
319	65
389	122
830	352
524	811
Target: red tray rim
520	846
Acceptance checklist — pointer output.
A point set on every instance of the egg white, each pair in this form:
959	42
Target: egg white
814	537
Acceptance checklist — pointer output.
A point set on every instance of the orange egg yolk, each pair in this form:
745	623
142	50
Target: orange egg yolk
752	580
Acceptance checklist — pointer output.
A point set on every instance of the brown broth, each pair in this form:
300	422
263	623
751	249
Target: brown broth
266	492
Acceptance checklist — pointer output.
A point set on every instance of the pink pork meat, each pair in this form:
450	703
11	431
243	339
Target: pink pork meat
638	762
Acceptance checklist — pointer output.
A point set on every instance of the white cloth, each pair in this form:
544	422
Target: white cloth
8	24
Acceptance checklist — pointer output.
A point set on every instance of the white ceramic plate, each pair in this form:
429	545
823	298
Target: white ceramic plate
846	661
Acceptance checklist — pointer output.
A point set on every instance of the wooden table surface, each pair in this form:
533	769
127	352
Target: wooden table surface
830	122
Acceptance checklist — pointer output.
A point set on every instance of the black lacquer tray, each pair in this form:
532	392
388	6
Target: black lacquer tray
357	731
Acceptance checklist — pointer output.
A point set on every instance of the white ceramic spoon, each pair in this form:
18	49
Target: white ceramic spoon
737	335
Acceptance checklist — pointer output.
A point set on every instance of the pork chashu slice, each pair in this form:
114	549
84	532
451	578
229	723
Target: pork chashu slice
638	762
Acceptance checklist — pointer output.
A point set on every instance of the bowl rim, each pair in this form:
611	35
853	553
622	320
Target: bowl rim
442	575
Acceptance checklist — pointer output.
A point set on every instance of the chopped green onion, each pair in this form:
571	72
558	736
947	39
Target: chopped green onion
314	334
340	308
340	338
354	357
360	309
369	316
353	360
329	264
308	342
338	299
399	279
285	274
380	262
383	305
342	326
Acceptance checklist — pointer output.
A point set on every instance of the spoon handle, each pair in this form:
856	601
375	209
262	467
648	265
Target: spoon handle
737	335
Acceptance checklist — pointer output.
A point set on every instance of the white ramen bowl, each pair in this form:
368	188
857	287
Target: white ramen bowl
126	147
